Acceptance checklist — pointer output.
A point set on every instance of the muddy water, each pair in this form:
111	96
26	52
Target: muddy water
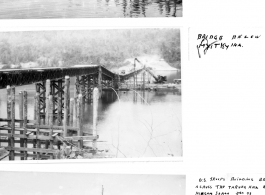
32	9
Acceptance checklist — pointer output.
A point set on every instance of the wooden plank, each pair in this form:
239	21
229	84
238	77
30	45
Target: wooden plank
76	138
34	156
30	141
32	130
3	153
40	137
38	150
16	120
55	127
55	134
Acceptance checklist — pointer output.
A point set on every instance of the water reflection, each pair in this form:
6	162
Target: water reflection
139	124
143	123
89	8
138	8
167	8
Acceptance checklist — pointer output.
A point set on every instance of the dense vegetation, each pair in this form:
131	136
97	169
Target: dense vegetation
105	47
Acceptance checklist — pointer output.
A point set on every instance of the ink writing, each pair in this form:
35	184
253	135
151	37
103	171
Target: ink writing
211	42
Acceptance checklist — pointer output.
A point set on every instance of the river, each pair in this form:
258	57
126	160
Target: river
35	9
142	124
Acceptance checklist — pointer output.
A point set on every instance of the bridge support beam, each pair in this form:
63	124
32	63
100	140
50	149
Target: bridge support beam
83	88
48	93
8	104
38	119
80	109
76	93
20	104
87	87
99	82
52	106
57	91
25	119
66	104
41	89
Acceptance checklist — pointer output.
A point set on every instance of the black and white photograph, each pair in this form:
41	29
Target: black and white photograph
90	94
41	183
38	9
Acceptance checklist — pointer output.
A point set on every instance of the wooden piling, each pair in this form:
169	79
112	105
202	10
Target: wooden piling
66	104
95	113
12	125
38	119
20	104
20	107
35	105
43	102
88	89
75	112
48	93
8	104
77	86
50	111
82	87
59	102
80	118
72	102
76	93
53	98
25	119
50	120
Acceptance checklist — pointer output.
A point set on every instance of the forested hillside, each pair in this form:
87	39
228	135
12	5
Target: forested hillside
105	47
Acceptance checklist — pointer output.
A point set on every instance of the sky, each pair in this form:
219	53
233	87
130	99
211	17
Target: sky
38	183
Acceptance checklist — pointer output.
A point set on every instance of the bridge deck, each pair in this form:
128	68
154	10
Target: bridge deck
16	77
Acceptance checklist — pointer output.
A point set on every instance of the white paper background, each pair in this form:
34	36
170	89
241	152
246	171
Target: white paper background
223	102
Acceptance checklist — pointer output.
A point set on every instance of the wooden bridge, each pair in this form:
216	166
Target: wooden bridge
58	118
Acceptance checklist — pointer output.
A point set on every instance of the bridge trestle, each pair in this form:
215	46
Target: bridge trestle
58	119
